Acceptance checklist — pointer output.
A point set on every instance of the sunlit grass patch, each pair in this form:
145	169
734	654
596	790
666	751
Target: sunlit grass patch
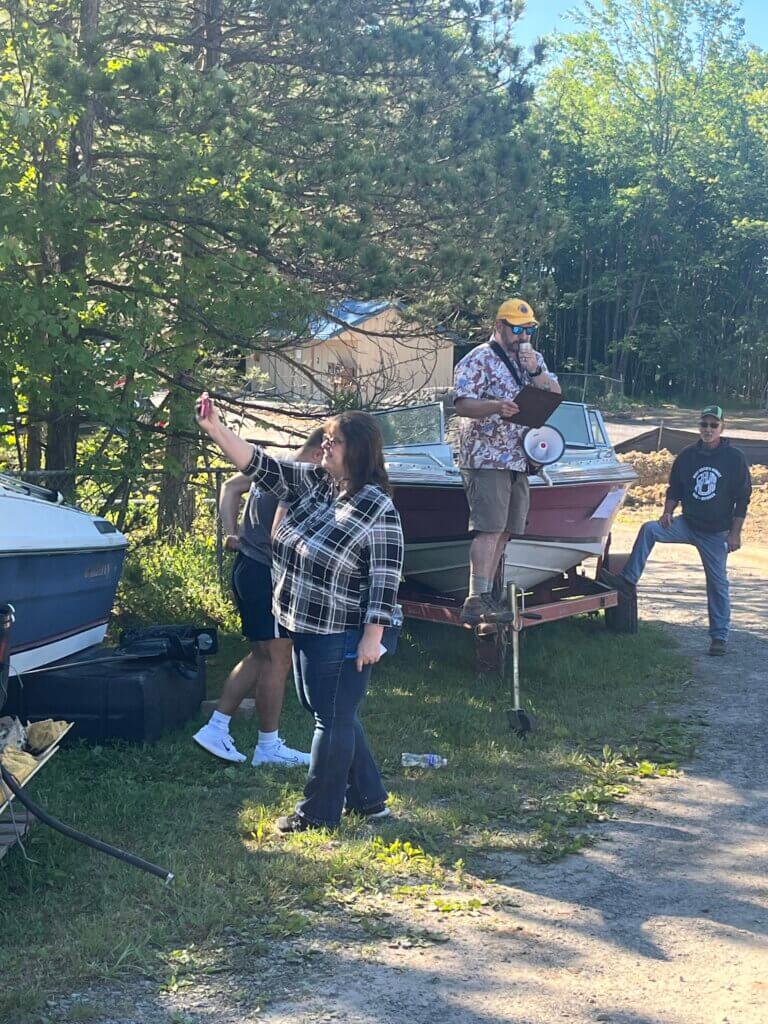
70	917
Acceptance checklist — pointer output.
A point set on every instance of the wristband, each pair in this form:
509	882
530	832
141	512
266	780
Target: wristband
536	373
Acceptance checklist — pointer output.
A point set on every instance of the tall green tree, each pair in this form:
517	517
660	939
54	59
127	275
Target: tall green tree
655	159
193	182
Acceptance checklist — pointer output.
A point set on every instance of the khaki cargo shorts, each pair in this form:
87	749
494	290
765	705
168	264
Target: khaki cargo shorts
498	500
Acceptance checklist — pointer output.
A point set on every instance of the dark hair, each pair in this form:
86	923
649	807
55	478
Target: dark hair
315	439
363	455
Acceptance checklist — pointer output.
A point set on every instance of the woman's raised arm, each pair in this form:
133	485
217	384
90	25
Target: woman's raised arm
286	480
238	451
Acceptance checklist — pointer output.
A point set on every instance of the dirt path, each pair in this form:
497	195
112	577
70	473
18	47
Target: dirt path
622	427
665	922
746	423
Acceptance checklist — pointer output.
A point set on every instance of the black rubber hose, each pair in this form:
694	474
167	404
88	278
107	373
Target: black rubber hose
81	837
78	664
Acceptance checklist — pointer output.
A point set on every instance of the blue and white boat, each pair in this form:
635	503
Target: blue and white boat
59	568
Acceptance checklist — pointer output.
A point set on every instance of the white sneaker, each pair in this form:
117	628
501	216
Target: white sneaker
280	754
218	743
379	811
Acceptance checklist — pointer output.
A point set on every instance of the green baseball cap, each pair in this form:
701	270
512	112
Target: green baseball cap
713	410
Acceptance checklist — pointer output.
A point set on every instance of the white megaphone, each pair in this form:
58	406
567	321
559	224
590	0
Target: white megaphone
543	445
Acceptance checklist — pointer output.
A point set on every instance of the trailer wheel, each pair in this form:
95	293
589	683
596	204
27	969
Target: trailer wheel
623	617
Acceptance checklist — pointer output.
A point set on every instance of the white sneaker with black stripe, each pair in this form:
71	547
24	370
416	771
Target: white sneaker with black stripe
279	754
219	743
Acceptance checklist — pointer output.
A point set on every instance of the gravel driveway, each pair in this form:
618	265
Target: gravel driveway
665	924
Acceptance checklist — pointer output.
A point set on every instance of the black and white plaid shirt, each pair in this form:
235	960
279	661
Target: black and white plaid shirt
336	559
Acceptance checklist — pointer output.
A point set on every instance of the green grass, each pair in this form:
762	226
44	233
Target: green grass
70	917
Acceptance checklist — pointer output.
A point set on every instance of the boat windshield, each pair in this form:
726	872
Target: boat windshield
415	426
16	484
570	418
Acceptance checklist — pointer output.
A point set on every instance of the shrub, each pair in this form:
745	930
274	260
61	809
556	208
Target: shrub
167	582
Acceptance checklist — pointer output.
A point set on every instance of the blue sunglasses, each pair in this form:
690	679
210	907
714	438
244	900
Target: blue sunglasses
531	329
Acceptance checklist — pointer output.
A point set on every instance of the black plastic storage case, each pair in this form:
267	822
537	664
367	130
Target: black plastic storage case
112	695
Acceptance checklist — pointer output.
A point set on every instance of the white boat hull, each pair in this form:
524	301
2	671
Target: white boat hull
443	566
55	650
530	562
59	568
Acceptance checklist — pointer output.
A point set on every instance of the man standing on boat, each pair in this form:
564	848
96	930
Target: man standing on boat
711	480
264	670
491	457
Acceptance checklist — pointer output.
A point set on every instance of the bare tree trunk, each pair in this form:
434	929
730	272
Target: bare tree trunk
64	416
635	303
606	314
176	507
34	459
619	282
588	335
580	307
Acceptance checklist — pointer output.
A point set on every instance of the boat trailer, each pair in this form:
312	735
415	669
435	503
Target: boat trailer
575	593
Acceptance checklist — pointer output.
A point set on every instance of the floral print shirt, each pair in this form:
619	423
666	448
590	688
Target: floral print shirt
490	443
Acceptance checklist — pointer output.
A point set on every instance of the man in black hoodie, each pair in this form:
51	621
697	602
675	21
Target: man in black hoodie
711	480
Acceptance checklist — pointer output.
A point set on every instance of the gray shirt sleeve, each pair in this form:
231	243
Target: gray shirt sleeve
256	525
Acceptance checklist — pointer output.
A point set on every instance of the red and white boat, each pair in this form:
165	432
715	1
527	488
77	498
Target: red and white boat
573	502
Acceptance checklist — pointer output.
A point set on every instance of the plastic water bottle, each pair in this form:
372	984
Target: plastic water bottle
423	761
397	615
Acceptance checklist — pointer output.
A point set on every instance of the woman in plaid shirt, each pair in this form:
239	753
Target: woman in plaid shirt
337	560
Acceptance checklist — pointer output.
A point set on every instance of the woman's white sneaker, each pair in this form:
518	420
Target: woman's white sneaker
280	754
374	813
219	743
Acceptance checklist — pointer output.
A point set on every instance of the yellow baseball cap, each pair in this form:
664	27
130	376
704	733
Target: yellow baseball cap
517	312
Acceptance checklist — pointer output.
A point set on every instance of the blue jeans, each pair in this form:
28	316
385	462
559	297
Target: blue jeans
713	551
341	765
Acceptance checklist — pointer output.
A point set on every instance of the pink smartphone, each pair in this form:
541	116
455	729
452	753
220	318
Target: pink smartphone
204	406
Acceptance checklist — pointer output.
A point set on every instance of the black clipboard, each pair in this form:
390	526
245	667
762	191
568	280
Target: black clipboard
536	406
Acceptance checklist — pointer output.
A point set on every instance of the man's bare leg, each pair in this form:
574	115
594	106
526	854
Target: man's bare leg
483	559
263	672
214	735
270	689
499	554
270	694
243	679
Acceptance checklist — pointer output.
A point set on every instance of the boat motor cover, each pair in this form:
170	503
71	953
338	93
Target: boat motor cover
186	643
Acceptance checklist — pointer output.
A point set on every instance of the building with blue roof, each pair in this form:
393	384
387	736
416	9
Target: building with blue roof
351	312
369	347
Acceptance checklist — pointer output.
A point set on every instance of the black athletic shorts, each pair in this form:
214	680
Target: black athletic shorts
252	586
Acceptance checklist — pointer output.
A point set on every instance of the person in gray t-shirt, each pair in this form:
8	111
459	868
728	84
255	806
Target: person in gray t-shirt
253	539
264	669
